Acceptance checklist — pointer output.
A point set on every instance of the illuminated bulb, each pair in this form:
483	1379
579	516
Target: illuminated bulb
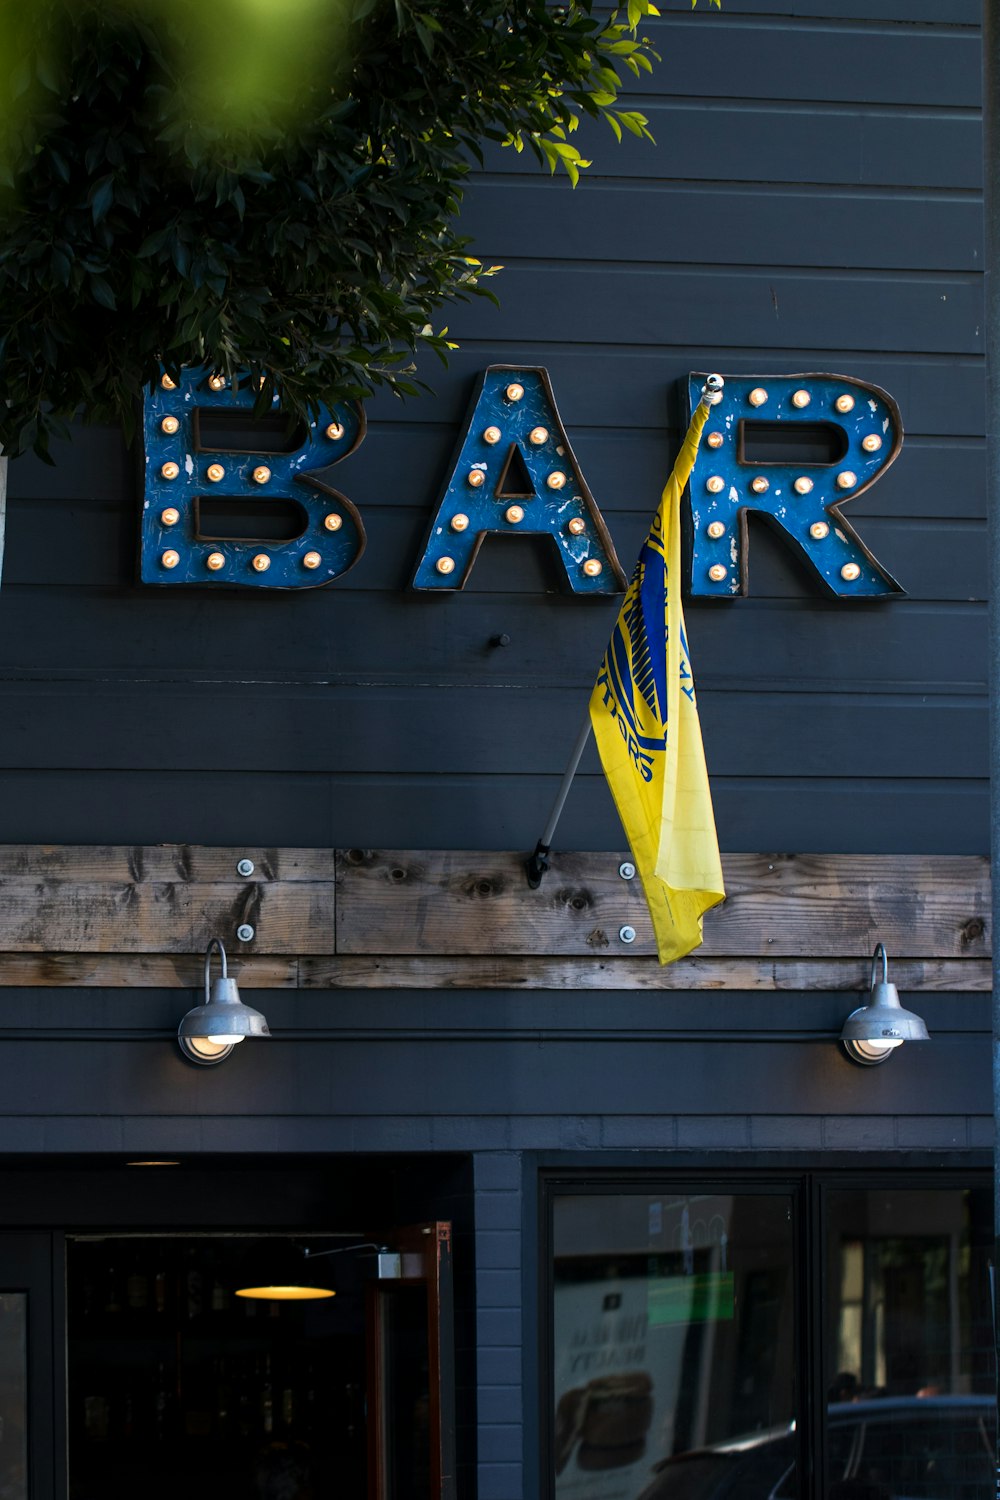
167	383
170	470
335	432
717	572
849	572
223	1041
760	485
514	513
217	382
311	560
476	478
538	435
872	443
215	472
170	559
169	425
260	562
333	522
515	391
593	567
846	480
818	530
170	517
801	399
492	435
214	561
445	565
803	485
714	484
459	522
556	480
261	474
715	440
576	526
757	396
844	403
715	529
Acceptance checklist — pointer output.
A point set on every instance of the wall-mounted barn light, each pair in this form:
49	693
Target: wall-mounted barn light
209	1033
872	1032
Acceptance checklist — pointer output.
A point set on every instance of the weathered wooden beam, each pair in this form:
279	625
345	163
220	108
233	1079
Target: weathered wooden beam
164	917
695	973
164	899
778	906
168	971
145	864
365	919
377	972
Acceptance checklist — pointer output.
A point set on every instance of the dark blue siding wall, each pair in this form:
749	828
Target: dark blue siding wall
812	203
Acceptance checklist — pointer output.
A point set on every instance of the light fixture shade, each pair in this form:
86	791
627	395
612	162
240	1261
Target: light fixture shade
209	1032
873	1031
286	1293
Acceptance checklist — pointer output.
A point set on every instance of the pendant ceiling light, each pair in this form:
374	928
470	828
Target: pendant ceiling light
278	1274
286	1293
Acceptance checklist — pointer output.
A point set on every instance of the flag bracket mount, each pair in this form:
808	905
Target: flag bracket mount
536	865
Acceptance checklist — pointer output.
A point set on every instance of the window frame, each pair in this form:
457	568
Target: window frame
806	1181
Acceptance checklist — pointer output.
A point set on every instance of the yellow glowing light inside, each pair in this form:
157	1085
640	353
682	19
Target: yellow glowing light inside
285	1293
222	1041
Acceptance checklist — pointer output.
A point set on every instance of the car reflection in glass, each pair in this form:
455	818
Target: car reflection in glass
895	1448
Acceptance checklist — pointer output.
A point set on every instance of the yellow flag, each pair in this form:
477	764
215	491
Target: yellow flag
645	720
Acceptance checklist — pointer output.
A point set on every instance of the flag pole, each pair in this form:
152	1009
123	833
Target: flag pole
538	861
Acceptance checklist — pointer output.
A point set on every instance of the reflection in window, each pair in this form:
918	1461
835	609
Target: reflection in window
909	1339
673	1346
677	1350
13	1396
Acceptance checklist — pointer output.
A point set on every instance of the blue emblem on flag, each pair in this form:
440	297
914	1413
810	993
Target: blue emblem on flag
636	662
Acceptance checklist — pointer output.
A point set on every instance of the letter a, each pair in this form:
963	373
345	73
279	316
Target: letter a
514	473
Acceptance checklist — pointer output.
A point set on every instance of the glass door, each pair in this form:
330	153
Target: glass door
305	1366
216	1365
411	1383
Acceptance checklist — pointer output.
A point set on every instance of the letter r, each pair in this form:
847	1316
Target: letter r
792	449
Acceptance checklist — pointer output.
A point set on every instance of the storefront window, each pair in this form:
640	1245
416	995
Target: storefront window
908	1344
674	1333
687	1322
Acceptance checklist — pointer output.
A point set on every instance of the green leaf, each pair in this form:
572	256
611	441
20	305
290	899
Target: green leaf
315	236
101	292
101	196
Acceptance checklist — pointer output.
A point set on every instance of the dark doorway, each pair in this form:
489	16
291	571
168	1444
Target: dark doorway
133	1364
179	1381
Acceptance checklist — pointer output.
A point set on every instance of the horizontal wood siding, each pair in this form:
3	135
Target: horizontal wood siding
325	919
812	202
